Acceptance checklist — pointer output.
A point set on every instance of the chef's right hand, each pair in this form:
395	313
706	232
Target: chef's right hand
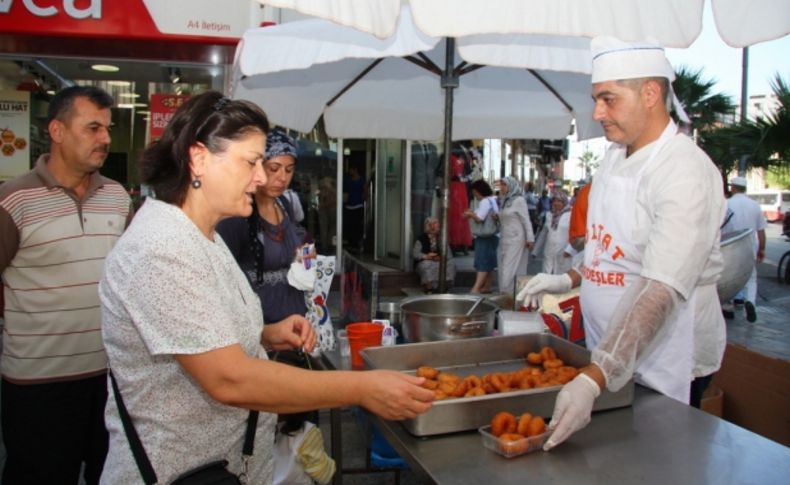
573	409
543	283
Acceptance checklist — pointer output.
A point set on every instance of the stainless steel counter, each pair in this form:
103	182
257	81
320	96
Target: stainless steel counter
657	440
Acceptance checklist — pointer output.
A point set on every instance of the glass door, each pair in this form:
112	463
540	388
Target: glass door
390	209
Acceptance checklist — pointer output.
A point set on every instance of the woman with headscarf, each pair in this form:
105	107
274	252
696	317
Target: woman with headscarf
553	238
516	238
427	256
265	243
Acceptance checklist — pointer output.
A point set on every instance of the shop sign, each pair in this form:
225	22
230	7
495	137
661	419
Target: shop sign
131	19
162	108
14	134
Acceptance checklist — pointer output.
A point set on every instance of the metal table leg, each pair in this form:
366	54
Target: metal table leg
336	443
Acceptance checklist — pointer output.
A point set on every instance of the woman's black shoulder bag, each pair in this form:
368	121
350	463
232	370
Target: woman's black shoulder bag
214	473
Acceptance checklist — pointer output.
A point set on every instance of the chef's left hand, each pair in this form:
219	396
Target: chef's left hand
573	409
293	332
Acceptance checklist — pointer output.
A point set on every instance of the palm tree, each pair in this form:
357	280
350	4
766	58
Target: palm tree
589	162
774	145
705	109
764	142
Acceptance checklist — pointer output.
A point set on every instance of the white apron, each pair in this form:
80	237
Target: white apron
612	261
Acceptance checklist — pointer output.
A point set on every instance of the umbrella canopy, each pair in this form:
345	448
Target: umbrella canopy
673	23
403	86
367	87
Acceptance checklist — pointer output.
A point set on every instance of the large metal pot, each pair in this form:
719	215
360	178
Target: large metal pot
443	317
738	254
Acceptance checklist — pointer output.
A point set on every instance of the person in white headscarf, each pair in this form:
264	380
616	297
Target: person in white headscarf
516	238
648	281
553	238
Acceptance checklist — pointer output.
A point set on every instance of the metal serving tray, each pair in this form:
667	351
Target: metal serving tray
481	356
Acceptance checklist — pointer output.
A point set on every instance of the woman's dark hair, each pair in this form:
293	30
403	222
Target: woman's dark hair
208	118
482	188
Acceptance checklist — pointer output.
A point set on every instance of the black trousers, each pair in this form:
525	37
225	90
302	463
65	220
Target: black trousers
698	386
49	430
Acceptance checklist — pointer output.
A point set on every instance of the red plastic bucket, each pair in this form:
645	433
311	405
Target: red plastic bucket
360	336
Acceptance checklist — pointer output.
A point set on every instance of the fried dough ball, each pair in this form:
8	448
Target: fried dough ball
503	422
427	372
447	387
448	377
552	364
501	382
475	391
536	426
430	384
528	382
488	388
513	444
548	353
534	358
473	381
460	389
567	369
438	395
523	424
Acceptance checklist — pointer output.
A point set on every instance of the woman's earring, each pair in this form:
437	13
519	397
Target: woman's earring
196	184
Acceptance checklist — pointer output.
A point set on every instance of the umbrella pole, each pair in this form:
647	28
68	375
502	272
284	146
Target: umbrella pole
449	82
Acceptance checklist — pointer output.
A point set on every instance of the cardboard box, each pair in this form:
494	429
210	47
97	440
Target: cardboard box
757	390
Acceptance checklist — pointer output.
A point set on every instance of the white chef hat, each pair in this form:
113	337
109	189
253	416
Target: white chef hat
614	60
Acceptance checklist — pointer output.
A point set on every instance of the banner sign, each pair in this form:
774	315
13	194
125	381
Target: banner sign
162	108
14	134
222	22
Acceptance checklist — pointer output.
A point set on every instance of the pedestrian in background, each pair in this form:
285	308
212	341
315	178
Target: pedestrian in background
516	238
744	213
266	243
459	236
485	246
553	238
532	205
58	222
427	255
354	208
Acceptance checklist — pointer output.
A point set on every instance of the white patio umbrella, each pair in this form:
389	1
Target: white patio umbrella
673	23
367	87
401	86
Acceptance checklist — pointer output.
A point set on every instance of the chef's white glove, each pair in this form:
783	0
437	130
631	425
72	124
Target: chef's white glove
543	283
572	409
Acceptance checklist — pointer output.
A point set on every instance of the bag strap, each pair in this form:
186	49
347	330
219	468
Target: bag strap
138	451
729	216
140	457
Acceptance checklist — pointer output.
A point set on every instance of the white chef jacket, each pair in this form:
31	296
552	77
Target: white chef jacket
746	214
680	206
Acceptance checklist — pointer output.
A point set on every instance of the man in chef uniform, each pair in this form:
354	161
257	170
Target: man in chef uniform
651	258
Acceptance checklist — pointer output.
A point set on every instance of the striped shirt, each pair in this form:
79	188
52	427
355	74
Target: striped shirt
52	250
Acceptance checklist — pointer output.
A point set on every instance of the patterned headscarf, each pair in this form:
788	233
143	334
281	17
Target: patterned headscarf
514	190
278	143
561	195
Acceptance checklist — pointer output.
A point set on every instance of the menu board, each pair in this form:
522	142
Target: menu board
14	134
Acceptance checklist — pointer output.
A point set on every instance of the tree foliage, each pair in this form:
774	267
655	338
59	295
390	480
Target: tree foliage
706	109
765	143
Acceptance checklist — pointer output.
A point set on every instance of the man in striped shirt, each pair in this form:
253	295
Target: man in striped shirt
57	224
